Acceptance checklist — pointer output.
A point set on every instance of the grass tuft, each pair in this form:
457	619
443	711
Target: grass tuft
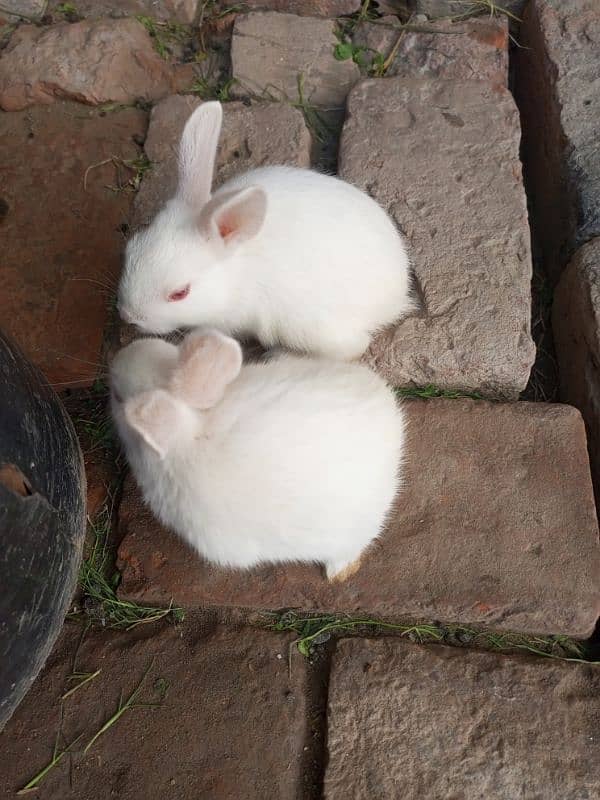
315	630
165	35
430	391
209	90
101	603
69	11
485	6
139	166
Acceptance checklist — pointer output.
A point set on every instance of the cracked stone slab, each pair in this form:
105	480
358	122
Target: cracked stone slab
558	87
271	52
439	722
226	706
62	231
443	158
471	49
252	136
14	10
304	8
92	61
576	330
183	11
449	8
495	525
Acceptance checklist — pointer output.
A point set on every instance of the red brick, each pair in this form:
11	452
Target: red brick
62	240
229	723
496	525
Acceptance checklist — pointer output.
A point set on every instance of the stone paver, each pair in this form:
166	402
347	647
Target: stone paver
448	8
183	11
475	48
230	721
13	10
443	158
305	8
271	51
576	326
558	83
93	61
439	723
62	240
251	137
495	525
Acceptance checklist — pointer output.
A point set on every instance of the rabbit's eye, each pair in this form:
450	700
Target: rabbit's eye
179	294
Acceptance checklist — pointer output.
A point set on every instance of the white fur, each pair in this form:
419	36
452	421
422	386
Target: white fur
299	461
314	263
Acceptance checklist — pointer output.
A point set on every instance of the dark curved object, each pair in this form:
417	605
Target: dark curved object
42	522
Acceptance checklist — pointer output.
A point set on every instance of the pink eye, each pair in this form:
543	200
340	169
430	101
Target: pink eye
180	294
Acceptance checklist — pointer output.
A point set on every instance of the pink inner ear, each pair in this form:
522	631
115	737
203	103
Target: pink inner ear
226	228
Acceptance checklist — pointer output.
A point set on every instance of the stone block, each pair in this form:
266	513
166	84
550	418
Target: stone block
14	10
252	136
453	8
558	90
62	231
272	52
576	328
304	8
443	158
228	713
473	49
92	61
437	722
182	11
495	525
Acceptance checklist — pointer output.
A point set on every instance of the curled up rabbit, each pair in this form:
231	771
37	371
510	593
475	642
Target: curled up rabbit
290	459
286	255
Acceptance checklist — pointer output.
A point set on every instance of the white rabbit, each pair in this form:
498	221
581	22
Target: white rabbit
292	459
286	255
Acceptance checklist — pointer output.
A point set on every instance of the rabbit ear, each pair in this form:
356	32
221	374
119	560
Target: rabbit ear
234	216
208	363
154	415
197	152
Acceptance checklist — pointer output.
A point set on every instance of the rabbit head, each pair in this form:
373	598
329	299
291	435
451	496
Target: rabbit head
158	389
174	269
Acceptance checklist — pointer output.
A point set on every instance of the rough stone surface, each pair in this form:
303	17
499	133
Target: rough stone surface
93	61
496	525
269	51
438	723
576	327
443	158
62	241
475	48
178	10
558	89
304	8
449	8
12	10
251	137
229	714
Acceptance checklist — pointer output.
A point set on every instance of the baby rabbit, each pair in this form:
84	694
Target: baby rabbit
286	255
291	459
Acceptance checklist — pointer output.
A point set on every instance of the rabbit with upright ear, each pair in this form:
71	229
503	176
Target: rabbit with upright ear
286	255
291	459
